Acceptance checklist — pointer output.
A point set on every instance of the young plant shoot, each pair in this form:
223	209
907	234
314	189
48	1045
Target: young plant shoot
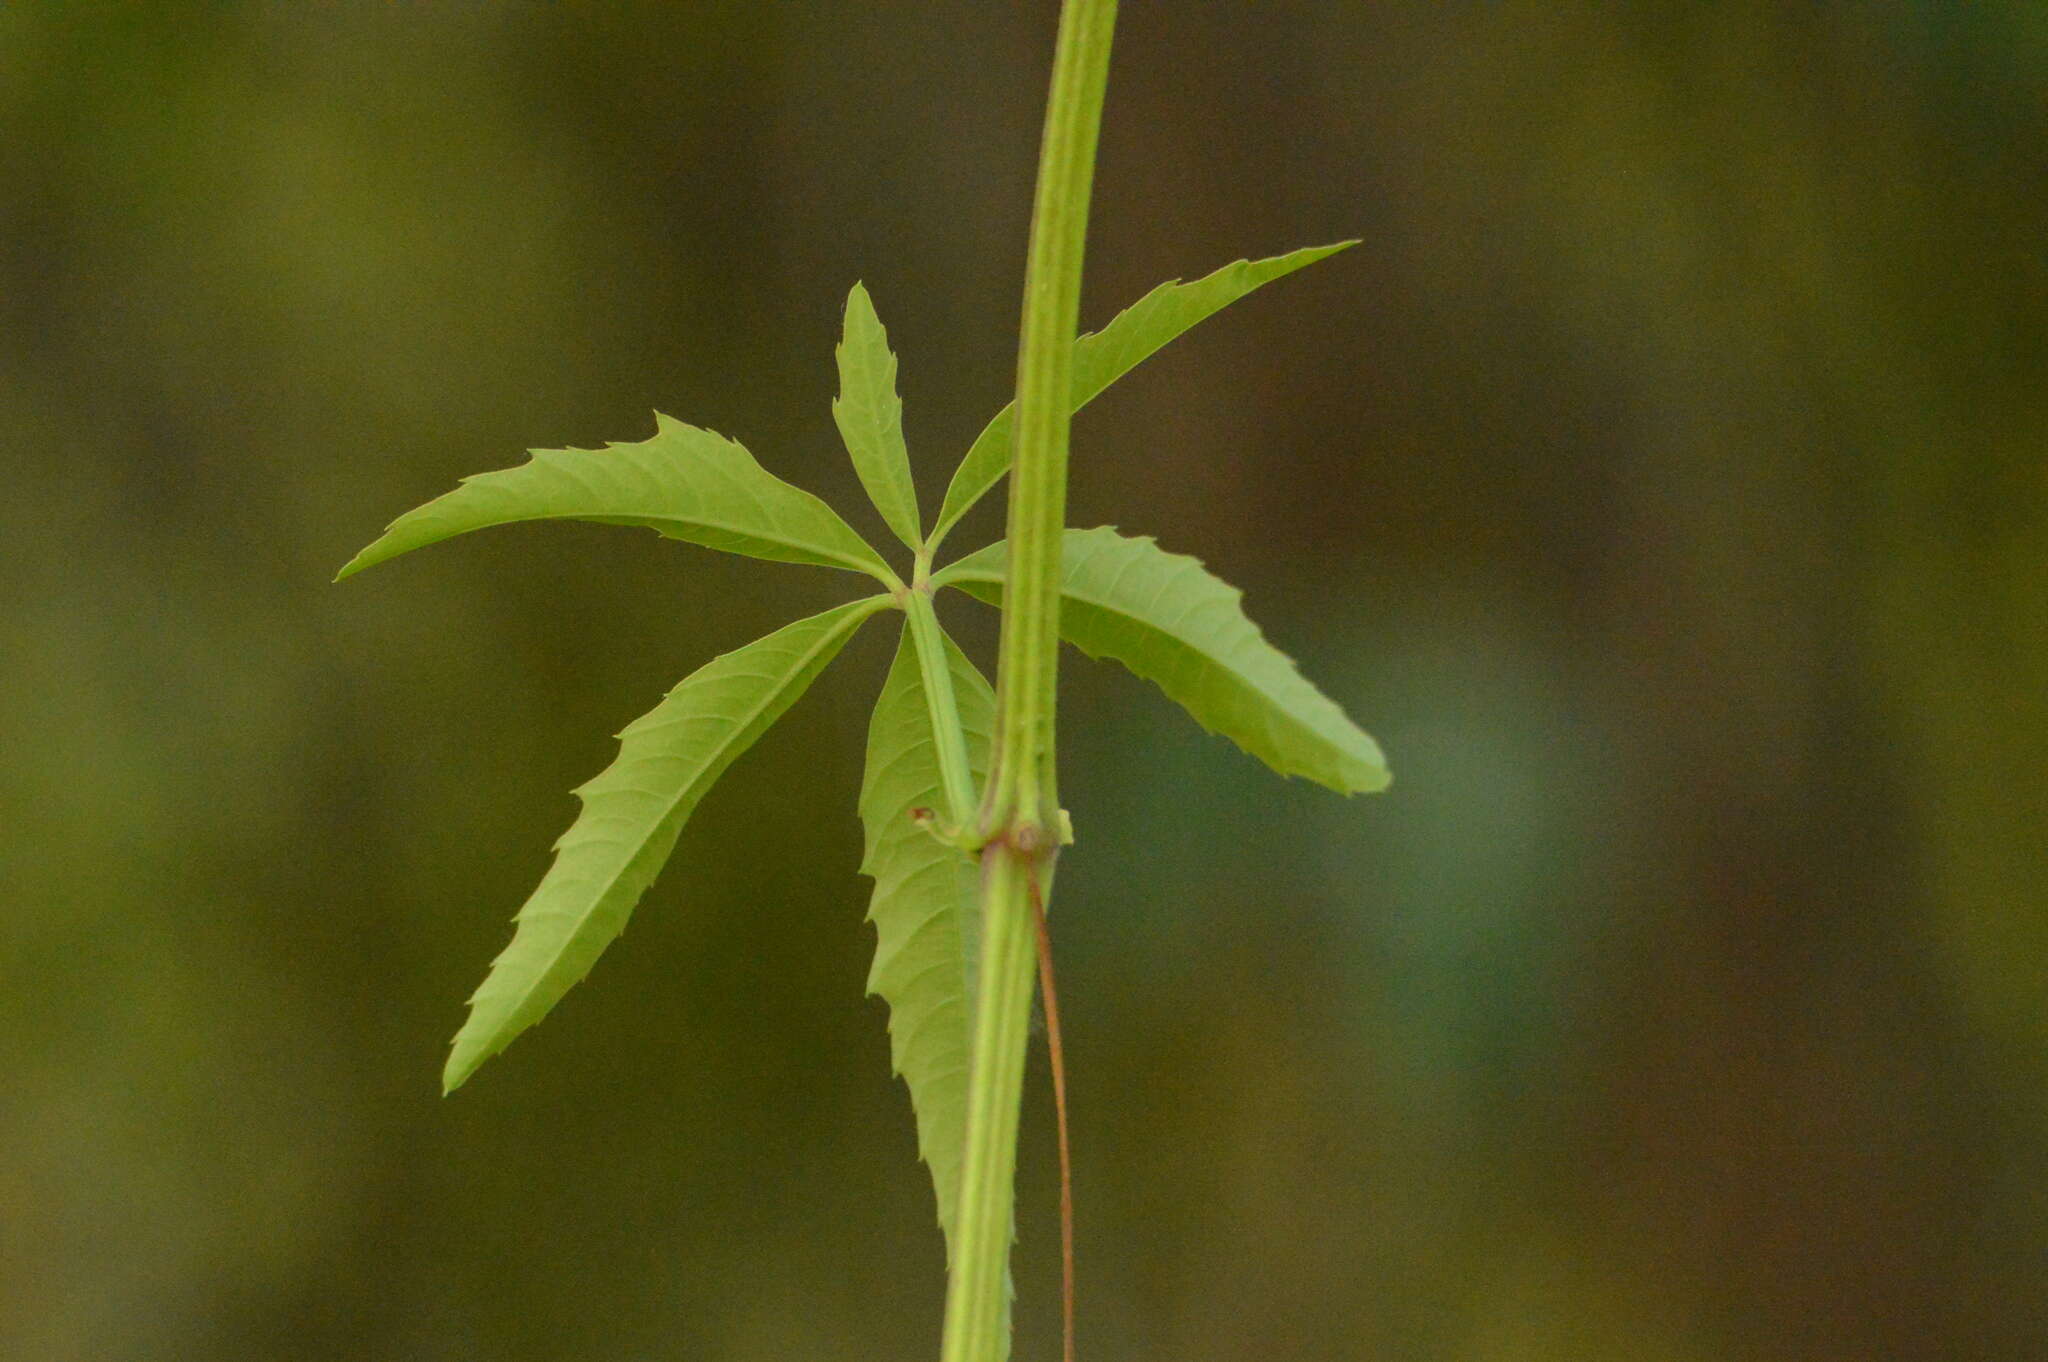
961	822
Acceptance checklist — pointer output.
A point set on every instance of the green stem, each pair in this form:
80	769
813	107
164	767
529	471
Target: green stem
1020	815
977	1296
950	742
1021	784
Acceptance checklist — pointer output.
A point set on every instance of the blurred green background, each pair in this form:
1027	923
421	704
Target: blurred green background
1662	481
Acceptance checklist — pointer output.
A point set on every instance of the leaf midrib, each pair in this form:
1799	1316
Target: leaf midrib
838	557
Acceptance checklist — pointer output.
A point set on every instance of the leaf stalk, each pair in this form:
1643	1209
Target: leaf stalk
948	739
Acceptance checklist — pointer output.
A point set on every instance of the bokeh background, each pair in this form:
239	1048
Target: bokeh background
1662	481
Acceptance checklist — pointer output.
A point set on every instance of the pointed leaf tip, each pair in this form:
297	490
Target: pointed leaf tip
454	1075
869	415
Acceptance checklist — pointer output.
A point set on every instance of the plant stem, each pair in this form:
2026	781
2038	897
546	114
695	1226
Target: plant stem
977	1305
1021	816
1022	786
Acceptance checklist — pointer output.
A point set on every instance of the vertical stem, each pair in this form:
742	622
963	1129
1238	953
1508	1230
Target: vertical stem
977	1304
1020	815
1021	783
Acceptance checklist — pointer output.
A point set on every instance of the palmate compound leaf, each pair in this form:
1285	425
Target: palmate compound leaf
869	415
1164	616
924	906
631	815
685	483
1104	356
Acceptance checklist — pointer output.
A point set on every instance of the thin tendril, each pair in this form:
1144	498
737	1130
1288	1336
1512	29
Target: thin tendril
1059	1100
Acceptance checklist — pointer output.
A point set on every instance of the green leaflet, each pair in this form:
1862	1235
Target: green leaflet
924	906
686	483
870	418
1168	619
1101	358
631	815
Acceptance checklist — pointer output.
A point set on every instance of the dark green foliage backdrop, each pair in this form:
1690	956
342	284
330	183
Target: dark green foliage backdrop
1662	481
